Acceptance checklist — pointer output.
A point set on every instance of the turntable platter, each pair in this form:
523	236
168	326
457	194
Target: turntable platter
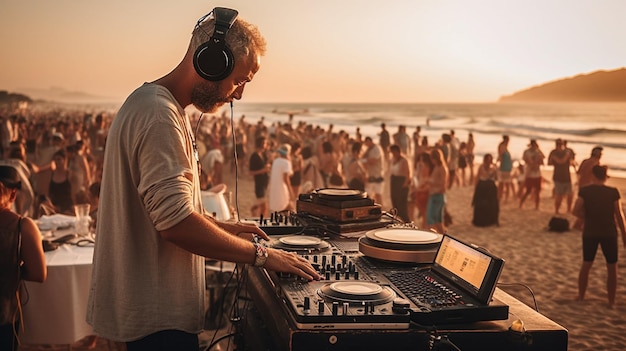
300	240
356	288
357	292
341	194
404	236
299	243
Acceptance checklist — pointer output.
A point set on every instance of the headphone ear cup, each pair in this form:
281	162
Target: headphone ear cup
213	63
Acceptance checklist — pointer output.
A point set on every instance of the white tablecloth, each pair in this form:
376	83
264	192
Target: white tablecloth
56	309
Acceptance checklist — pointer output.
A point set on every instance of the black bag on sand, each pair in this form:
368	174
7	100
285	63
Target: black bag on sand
558	224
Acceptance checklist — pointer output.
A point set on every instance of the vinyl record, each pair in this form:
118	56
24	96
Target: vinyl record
404	236
300	240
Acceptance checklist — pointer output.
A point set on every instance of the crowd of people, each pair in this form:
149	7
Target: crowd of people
57	153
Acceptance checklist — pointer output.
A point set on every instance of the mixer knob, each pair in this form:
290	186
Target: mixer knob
315	258
335	308
327	275
344	259
350	267
345	308
365	307
356	275
347	275
333	260
324	260
320	307
339	267
338	276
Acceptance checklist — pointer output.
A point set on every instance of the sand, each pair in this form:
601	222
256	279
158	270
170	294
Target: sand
546	262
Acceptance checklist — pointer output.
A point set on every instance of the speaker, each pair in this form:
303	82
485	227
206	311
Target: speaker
213	60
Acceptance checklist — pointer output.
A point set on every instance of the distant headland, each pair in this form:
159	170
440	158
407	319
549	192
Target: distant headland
598	86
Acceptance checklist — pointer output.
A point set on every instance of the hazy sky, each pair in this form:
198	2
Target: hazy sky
321	50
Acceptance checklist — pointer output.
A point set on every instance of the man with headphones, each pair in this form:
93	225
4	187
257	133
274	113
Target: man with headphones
152	233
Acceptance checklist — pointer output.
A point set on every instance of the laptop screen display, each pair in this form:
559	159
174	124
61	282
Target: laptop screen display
468	266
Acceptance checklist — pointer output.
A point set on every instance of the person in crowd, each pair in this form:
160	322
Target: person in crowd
561	159
356	175
600	207
150	293
25	202
384	139
399	182
403	140
462	164
585	175
416	139
60	188
423	169
259	168
310	171
21	257
533	159
437	184
212	165
373	163
485	200
80	174
295	180
329	166
280	194
505	161
471	146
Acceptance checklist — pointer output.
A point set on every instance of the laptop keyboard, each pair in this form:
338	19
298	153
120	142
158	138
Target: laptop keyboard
423	289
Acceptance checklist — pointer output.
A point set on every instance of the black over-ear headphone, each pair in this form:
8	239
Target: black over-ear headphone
214	60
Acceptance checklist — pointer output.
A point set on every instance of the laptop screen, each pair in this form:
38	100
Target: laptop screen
470	267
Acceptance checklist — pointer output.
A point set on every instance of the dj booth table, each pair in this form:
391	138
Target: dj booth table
493	335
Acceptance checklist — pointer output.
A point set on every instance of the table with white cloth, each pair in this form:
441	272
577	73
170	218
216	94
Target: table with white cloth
55	310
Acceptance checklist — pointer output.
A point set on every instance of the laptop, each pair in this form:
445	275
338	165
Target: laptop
457	288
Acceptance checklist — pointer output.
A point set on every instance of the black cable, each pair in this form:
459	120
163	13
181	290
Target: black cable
532	294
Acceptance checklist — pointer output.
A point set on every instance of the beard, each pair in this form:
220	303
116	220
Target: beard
206	97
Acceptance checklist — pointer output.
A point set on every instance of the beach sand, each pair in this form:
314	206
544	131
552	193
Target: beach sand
546	262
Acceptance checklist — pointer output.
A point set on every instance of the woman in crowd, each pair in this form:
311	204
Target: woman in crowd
280	193
437	184
485	200
60	189
296	163
21	257
423	169
356	176
399	181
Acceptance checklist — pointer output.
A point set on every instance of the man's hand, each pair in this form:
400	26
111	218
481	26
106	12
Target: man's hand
290	262
243	230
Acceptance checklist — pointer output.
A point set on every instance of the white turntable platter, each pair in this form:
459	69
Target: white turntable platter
404	236
356	288
300	240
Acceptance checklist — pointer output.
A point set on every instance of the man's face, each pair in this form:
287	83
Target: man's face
208	96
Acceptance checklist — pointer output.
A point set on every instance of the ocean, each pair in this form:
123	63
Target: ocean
583	125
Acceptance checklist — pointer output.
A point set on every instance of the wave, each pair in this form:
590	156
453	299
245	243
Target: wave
579	132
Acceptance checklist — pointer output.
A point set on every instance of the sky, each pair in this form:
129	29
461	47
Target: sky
322	50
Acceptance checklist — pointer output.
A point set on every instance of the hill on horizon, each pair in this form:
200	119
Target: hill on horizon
598	86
